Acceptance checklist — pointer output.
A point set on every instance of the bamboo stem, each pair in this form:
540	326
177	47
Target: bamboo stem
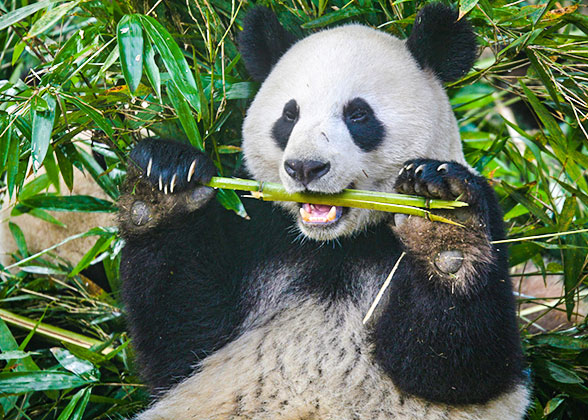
372	200
51	332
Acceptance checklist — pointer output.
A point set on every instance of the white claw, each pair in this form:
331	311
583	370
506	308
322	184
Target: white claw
165	189
419	169
401	170
442	168
160	183
409	167
191	170
149	165
172	184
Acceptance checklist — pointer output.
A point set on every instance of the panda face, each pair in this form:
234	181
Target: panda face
345	108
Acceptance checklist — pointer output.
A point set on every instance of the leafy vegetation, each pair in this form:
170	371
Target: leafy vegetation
83	80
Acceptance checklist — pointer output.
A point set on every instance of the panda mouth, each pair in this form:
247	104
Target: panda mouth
320	214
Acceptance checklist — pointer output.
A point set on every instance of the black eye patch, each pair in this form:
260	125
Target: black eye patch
363	125
285	124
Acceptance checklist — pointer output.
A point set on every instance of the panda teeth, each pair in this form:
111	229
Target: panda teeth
305	215
332	214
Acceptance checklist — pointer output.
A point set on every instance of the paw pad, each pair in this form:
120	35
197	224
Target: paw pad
140	213
449	262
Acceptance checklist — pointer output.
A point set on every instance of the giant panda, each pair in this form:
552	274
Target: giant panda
263	318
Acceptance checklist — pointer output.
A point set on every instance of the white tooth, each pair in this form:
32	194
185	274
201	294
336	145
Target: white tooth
149	166
332	214
305	215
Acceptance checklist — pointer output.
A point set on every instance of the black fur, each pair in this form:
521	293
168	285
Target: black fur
441	43
189	282
263	41
441	345
285	124
171	158
363	125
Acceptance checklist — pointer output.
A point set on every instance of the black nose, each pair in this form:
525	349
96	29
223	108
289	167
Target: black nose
306	171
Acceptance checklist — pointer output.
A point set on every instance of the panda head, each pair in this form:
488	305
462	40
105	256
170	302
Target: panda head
346	107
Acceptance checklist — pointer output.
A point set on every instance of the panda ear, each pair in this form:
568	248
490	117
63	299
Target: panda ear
441	43
263	41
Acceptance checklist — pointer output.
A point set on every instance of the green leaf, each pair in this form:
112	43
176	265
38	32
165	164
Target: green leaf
465	6
66	168
333	17
542	73
99	247
16	354
184	113
562	341
42	129
14	383
96	171
151	68
552	404
73	363
94	114
173	59
83	203
231	201
561	374
73	410
12	161
574	259
50	19
129	36
19	14
544	115
525	201
19	238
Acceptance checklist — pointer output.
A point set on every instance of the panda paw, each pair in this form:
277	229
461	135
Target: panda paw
163	181
436	179
170	166
449	252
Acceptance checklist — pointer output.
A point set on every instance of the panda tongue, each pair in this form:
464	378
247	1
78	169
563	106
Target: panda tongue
317	209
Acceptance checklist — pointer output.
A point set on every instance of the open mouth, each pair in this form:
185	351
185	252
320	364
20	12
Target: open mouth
321	214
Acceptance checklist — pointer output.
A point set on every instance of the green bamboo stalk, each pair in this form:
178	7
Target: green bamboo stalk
372	200
49	331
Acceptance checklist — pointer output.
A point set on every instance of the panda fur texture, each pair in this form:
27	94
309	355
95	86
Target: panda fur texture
262	318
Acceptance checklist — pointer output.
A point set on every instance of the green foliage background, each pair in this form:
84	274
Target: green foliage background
112	72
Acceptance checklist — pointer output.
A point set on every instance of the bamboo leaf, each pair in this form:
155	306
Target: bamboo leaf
151	68
19	238
99	247
19	14
42	129
129	36
74	364
185	116
173	59
94	114
14	383
231	201
84	203
465	6
66	168
73	410
12	161
50	18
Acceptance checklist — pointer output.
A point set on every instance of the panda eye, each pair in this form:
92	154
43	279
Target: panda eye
290	112
357	111
358	115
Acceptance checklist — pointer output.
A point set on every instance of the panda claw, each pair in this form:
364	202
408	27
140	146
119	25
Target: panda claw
419	170
172	184
149	165
160	183
191	170
401	171
409	166
442	168
165	189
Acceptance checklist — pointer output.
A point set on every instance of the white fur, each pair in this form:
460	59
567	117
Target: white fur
309	360
325	71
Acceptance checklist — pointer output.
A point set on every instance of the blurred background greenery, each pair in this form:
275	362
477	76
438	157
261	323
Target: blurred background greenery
83	80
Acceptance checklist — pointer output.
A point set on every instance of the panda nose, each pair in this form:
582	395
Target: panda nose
306	171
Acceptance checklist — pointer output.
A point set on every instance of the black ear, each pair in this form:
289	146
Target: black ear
263	41
442	43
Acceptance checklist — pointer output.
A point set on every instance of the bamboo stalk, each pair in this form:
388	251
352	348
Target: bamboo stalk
51	332
372	200
271	191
